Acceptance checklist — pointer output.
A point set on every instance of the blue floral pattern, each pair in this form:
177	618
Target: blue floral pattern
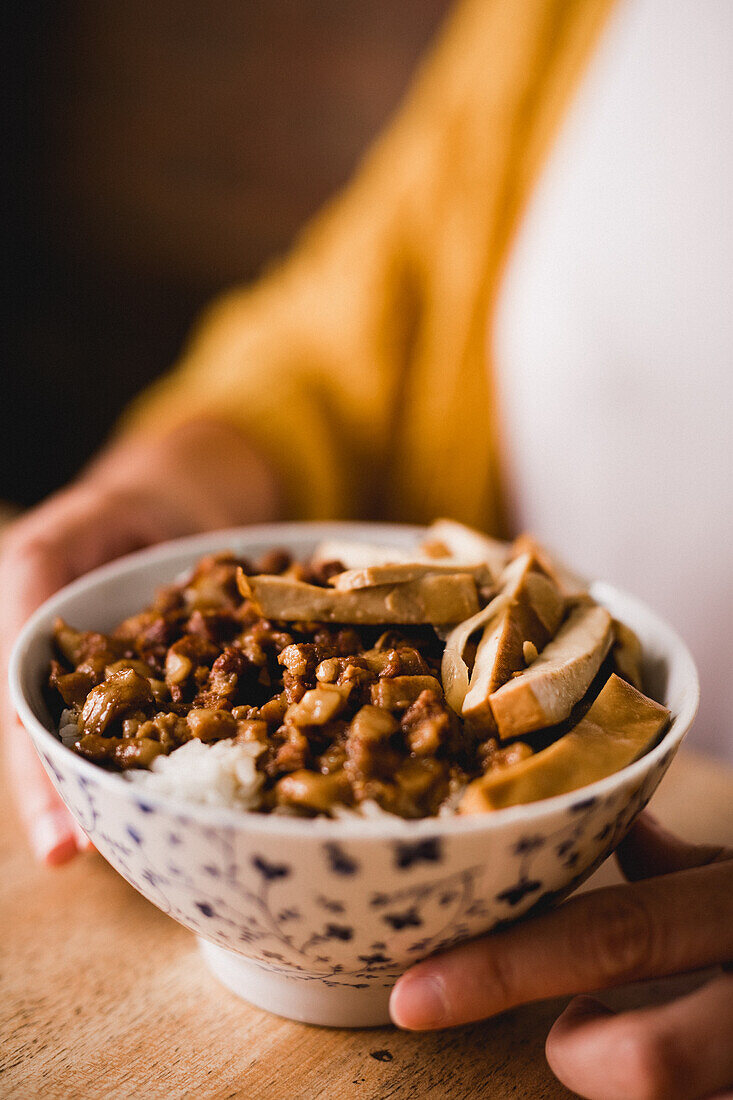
314	914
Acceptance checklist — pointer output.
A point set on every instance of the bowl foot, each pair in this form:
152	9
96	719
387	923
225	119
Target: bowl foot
310	1002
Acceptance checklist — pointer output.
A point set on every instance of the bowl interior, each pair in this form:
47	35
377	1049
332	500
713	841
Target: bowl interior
107	595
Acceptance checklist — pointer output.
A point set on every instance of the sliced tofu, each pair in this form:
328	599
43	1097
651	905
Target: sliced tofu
626	653
430	599
620	725
397	573
546	692
533	616
447	544
464	544
453	667
569	583
362	555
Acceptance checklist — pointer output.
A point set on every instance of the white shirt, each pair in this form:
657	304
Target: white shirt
614	333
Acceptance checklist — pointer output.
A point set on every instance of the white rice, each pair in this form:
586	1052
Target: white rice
225	774
368	808
222	774
68	729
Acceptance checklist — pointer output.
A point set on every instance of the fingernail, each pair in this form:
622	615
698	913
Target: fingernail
52	838
419	1003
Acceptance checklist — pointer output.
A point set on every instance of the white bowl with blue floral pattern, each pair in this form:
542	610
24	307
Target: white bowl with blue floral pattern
316	919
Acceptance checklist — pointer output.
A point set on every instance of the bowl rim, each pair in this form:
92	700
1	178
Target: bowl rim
321	828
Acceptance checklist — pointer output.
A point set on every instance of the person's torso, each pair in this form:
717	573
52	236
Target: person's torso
613	339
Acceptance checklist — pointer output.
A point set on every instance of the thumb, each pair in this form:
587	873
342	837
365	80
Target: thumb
53	834
650	850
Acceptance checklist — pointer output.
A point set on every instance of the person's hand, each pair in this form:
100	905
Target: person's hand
678	916
138	493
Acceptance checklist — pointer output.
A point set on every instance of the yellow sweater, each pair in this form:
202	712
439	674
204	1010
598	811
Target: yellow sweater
361	365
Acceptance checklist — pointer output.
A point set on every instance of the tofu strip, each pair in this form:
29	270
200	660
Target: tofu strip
620	725
533	615
546	692
374	576
434	598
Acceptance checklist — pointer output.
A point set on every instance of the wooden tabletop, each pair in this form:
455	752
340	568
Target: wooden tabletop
104	996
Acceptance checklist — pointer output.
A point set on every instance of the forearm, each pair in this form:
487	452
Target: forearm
203	473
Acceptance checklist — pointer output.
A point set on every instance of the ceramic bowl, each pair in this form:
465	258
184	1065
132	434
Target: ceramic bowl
315	919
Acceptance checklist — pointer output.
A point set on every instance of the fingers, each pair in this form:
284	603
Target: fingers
83	527
683	1049
73	532
31	576
144	489
53	834
649	850
597	940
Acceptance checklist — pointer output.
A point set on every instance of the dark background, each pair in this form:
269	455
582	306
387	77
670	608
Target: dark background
157	151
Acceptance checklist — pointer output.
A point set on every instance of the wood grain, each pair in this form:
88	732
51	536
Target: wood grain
104	996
